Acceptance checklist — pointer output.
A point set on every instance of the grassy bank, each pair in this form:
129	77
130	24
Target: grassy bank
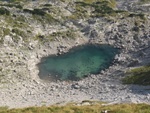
96	108
139	76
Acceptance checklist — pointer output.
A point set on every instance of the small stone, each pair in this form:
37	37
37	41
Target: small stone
85	104
14	71
1	61
30	47
105	111
75	86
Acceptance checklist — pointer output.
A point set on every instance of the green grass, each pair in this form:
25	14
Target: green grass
96	108
139	76
4	11
6	31
101	8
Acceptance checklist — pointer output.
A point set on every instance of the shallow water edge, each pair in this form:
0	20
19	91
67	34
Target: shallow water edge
77	63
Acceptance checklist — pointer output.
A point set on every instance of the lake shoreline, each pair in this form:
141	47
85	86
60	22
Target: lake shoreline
84	58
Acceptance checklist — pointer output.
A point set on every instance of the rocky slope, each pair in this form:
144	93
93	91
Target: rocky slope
30	30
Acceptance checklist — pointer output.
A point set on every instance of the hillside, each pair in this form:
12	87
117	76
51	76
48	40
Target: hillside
33	29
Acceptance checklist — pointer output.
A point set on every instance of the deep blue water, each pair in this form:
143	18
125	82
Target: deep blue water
77	63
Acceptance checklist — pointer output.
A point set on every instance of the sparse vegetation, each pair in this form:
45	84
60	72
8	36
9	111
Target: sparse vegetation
140	15
39	37
42	16
56	35
144	1
97	8
4	11
47	19
64	34
16	1
39	12
97	108
6	31
47	5
139	75
12	5
18	32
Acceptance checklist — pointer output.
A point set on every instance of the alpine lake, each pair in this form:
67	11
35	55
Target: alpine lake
78	63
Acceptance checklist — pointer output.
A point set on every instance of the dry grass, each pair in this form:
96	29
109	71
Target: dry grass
96	108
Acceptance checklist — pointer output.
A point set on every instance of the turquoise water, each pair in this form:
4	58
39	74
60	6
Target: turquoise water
77	63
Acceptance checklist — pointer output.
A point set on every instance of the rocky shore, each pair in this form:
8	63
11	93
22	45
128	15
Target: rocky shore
20	85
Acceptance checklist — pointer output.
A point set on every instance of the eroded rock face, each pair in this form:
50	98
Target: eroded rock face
40	28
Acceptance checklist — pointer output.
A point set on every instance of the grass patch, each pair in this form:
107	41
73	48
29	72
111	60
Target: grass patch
19	32
6	31
41	16
39	12
3	109
4	11
97	108
46	19
12	5
69	34
144	1
63	34
100	8
15	1
106	8
97	8
140	15
139	76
